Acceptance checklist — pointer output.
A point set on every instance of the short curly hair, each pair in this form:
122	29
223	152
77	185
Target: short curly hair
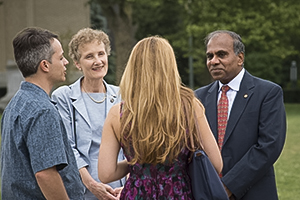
86	36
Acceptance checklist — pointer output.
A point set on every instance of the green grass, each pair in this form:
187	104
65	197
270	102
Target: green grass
288	165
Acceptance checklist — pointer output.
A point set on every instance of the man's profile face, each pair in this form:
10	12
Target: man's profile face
58	63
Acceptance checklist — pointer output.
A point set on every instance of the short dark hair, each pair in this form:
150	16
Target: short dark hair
238	45
31	46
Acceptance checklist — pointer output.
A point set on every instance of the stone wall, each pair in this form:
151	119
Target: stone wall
64	17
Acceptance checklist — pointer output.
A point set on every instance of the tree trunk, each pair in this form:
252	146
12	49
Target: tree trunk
119	18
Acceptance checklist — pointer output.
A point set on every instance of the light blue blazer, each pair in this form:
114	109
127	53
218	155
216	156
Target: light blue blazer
70	104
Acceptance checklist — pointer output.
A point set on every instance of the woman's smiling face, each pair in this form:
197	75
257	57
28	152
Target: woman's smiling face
94	60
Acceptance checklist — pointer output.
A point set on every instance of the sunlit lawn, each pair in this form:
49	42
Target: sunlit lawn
288	165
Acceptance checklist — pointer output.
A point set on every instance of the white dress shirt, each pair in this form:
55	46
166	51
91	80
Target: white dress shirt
234	85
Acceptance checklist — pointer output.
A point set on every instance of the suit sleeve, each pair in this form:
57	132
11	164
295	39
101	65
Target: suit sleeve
259	159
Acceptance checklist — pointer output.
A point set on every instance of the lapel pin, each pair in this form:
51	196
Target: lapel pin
245	96
112	98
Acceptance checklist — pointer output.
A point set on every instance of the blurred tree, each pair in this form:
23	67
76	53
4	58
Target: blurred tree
118	14
270	30
99	21
125	17
167	19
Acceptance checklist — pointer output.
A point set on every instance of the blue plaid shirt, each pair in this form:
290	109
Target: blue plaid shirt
34	139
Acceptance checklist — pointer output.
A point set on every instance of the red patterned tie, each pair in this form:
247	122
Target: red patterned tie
222	115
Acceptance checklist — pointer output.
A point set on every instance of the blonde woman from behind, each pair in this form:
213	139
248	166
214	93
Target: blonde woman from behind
154	126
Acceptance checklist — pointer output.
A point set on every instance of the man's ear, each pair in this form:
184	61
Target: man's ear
241	59
44	66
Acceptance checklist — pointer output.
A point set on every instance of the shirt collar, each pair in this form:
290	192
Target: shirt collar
235	83
25	85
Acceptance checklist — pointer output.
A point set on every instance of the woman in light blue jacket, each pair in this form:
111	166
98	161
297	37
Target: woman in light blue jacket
84	106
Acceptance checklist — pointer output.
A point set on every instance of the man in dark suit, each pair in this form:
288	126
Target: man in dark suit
254	126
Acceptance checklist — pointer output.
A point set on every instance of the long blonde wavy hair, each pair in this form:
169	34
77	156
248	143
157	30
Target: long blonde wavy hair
158	111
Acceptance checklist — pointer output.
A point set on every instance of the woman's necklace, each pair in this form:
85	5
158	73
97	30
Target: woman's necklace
94	100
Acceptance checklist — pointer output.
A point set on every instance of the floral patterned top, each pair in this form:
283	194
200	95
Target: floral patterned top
161	181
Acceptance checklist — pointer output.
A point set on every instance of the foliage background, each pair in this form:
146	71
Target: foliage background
270	30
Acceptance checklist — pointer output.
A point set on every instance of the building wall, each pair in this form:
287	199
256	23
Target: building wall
64	17
2	48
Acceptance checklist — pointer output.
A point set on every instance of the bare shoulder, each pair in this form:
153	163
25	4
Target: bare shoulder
113	119
115	110
113	114
199	108
198	105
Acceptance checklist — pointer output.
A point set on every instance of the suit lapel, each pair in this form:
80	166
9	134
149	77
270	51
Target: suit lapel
211	108
112	97
77	101
240	102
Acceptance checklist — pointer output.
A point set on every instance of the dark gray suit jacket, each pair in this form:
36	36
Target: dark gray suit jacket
254	137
